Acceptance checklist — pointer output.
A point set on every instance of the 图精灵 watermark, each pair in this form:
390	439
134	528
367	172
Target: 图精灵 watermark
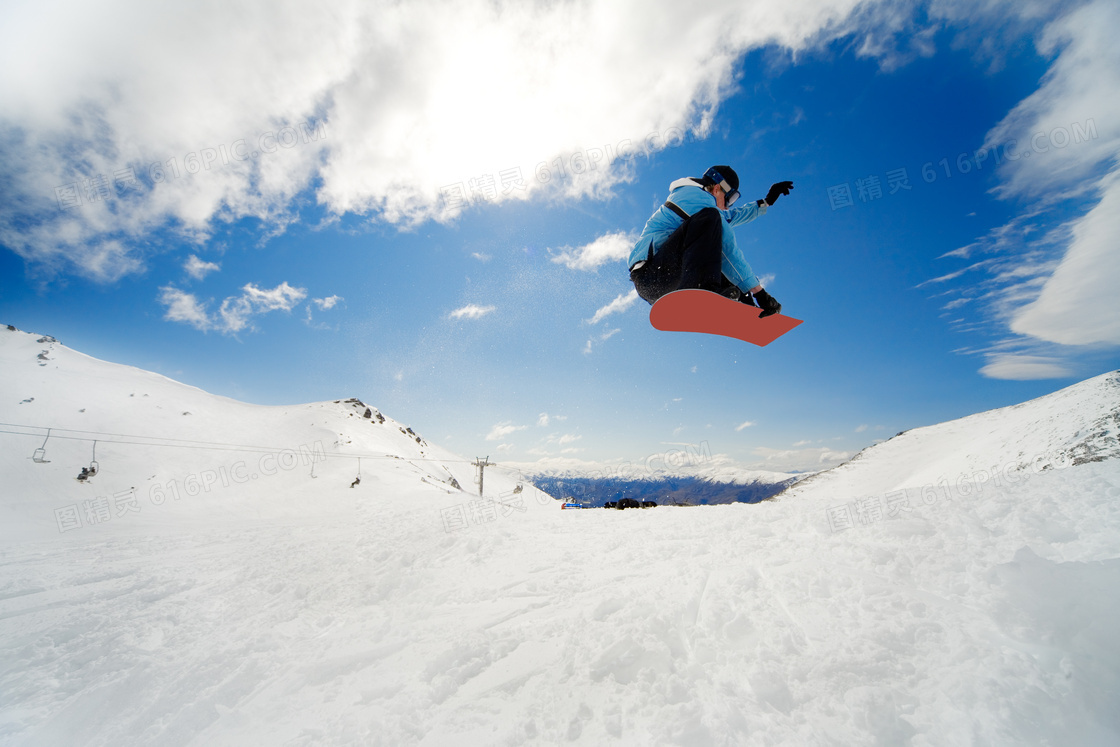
868	510
871	187
117	505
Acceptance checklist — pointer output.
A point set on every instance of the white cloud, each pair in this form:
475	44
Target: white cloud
743	426
235	313
336	97
618	305
199	269
1024	368
609	248
1078	304
501	430
185	308
799	460
471	311
861	428
324	304
281	298
600	339
1056	283
542	421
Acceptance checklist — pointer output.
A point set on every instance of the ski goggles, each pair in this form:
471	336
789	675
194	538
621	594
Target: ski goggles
731	195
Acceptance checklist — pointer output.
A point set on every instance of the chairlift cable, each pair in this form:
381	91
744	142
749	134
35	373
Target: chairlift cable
205	445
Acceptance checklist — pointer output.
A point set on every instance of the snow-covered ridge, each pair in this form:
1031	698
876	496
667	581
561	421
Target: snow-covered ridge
1076	425
157	442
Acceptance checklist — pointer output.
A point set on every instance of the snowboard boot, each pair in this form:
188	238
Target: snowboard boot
767	303
733	292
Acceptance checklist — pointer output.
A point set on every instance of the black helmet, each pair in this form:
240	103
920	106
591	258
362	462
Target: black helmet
726	177
717	174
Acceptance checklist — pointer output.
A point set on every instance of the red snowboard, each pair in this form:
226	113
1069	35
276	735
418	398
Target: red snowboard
694	310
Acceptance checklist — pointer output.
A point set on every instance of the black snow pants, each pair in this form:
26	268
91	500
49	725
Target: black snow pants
689	258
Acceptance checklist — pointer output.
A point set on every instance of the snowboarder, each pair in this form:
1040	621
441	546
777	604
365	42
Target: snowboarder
687	242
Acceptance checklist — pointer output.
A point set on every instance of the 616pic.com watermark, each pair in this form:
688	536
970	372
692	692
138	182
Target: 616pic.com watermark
662	463
104	508
99	188
870	187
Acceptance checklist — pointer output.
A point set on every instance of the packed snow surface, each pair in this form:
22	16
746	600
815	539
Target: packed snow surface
219	582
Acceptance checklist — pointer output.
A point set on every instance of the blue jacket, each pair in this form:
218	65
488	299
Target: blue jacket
689	196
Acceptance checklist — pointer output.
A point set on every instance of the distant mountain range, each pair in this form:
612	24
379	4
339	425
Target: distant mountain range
594	492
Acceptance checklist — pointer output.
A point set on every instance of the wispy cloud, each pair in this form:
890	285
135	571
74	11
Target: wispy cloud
471	311
324	304
199	269
1024	368
610	248
598	340
501	430
617	306
544	419
1078	305
185	308
1049	279
235	313
799	460
743	426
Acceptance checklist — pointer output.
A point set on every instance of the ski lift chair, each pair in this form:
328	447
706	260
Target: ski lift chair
39	457
92	469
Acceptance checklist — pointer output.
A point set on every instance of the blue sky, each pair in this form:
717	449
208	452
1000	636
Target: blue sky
972	267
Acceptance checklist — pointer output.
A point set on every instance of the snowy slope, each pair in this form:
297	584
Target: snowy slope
295	610
1077	425
173	455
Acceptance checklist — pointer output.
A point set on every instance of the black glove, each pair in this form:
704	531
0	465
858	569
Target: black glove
767	303
777	190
